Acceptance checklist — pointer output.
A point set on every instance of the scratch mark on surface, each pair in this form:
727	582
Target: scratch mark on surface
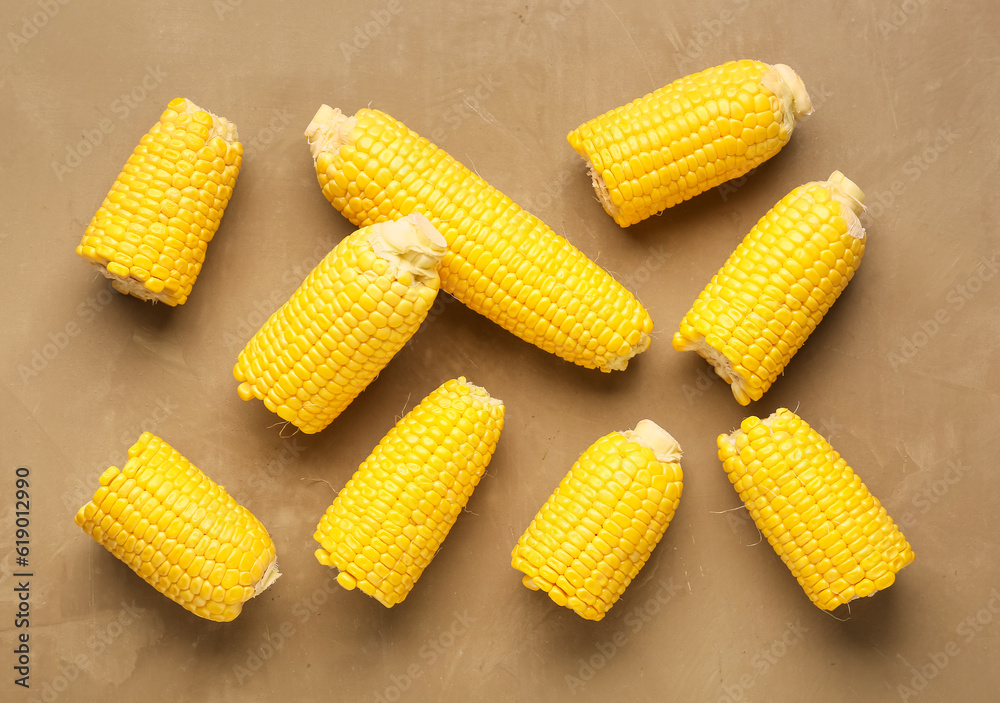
892	107
649	577
628	34
59	551
489	119
950	383
950	268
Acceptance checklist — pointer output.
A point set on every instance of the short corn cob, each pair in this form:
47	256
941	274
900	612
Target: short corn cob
502	262
597	530
760	308
180	531
150	234
356	309
385	526
689	136
833	535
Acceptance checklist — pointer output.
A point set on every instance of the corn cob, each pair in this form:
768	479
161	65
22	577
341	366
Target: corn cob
599	527
760	308
502	262
356	309
180	531
689	136
387	523
152	230
833	535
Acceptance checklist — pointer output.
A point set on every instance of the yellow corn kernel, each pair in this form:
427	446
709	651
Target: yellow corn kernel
350	316
149	203
167	514
775	288
792	480
599	527
502	262
385	526
697	132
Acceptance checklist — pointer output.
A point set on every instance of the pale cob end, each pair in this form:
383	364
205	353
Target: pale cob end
181	532
597	530
502	262
763	304
788	87
847	193
151	232
689	136
817	514
354	312
386	525
410	245
328	130
663	445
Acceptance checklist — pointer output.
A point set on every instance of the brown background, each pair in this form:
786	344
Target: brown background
906	106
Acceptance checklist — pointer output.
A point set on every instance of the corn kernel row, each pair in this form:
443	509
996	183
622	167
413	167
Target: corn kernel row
689	136
151	232
829	530
350	316
180	531
599	527
390	519
776	287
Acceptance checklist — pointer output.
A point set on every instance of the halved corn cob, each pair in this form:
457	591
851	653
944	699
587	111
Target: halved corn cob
180	531
689	136
350	316
152	230
760	308
599	527
831	532
502	262
387	523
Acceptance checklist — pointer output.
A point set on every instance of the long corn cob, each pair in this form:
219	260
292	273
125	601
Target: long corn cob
387	523
152	230
760	308
697	132
833	535
502	262
599	527
180	531
350	316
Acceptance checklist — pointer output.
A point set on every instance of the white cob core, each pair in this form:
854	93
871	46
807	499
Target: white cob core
791	93
329	130
620	363
723	368
271	575
479	393
221	127
846	192
410	244
649	434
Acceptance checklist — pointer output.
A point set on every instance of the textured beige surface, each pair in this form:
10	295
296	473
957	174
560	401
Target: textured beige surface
902	375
